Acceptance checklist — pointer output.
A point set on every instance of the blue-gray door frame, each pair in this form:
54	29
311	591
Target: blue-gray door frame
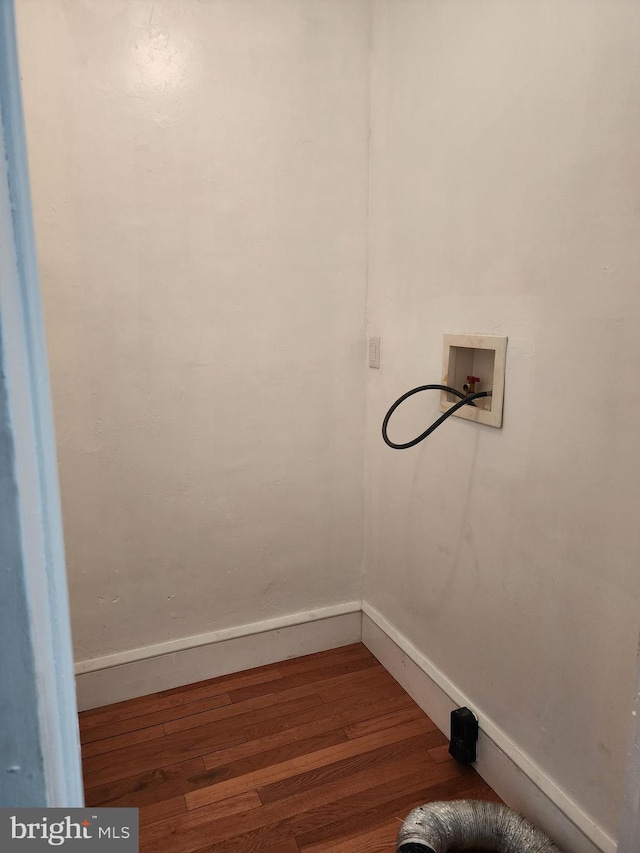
39	745
629	837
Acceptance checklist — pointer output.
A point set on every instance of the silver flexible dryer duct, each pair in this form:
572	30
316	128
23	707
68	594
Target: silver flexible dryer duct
470	825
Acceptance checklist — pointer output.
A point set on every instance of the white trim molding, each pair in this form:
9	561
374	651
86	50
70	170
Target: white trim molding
182	644
512	773
162	666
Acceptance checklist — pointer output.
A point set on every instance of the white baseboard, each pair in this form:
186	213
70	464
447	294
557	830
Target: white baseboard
511	773
520	782
138	672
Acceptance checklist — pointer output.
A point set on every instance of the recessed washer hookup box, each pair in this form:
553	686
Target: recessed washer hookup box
69	830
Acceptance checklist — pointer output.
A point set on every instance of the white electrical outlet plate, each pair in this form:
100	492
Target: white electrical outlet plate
483	356
374	352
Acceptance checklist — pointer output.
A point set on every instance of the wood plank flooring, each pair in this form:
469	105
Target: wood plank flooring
321	753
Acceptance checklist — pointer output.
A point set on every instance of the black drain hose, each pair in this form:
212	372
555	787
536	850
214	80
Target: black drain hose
466	400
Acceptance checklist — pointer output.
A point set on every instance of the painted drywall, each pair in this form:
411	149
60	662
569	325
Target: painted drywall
199	175
200	178
504	199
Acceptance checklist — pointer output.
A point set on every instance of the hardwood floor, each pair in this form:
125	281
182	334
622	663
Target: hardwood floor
321	753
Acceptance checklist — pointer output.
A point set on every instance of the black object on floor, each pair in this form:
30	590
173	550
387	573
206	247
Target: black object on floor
463	745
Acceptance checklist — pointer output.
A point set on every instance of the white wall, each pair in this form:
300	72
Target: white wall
199	176
505	180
